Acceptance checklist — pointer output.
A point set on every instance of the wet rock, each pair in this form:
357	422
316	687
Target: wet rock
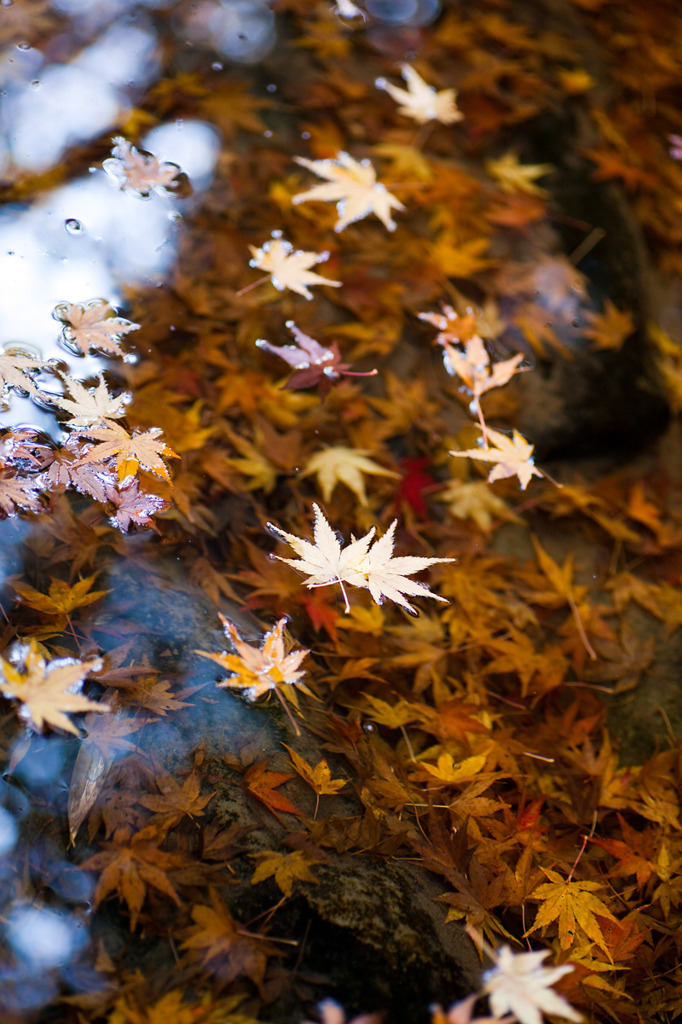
580	400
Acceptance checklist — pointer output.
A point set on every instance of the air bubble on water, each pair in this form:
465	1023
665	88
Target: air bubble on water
267	134
131	358
73	226
24	46
305	135
216	66
271	87
369	726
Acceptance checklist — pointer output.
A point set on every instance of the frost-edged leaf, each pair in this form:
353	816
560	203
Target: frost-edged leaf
140	173
312	362
92	325
17	370
512	456
19	494
143	448
421	101
88	406
289	267
353	186
48	690
359	564
257	670
134	506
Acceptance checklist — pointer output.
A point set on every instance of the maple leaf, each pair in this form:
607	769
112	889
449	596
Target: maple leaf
359	564
574	906
286	868
474	500
263	785
420	101
140	173
143	448
449	771
129	865
226	948
318	778
61	598
17	371
88	406
520	985
258	670
289	267
472	366
312	361
634	853
332	1012
343	465
353	186
513	456
462	1013
18	493
174	801
48	691
135	506
609	329
513	176
92	325
348	9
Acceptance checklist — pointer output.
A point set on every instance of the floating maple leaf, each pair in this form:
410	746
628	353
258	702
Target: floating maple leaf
420	101
66	470
92	325
347	9
19	493
17	371
473	366
332	1012
353	186
340	464
313	361
47	690
359	565
135	506
519	984
88	406
258	670
131	450
140	173
513	456
289	267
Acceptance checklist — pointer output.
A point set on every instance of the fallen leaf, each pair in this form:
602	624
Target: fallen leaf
359	565
353	186
343	465
286	868
289	267
47	690
420	101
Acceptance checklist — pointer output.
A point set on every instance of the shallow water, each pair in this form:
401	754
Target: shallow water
132	833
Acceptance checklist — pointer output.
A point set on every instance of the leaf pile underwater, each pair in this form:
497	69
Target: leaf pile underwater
367	794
